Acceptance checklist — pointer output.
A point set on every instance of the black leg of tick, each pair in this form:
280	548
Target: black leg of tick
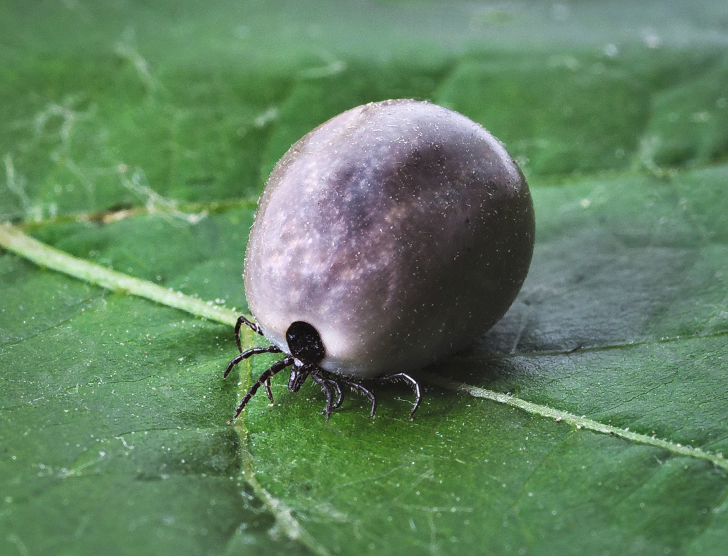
243	321
406	378
299	374
275	368
329	377
268	391
364	390
339	394
326	387
245	354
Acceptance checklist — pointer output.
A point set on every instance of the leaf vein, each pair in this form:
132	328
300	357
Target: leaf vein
579	422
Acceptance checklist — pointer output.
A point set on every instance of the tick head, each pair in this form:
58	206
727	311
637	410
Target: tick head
305	343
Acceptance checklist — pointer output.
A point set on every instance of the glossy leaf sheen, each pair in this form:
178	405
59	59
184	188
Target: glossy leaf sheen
112	409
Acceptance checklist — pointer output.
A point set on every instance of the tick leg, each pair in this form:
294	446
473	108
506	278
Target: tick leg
268	391
298	377
406	378
335	385
364	390
243	321
275	368
339	393
325	385
245	354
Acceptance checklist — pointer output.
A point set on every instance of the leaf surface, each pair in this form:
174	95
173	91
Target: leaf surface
591	419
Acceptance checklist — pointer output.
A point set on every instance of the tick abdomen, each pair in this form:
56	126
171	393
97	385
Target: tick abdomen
400	230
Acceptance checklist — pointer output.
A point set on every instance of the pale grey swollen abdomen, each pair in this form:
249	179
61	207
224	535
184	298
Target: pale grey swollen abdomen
400	230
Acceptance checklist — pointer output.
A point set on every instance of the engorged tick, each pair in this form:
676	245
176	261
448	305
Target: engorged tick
386	239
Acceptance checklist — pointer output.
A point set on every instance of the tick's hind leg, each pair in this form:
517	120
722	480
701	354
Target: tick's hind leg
275	368
339	394
363	390
252	325
397	377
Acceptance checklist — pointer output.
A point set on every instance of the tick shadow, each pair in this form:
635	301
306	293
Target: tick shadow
509	352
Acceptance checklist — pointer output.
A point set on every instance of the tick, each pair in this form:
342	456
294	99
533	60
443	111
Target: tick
386	239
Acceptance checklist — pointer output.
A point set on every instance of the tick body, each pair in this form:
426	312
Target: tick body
388	238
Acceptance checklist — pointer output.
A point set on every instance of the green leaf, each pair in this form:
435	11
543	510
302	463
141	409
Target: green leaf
135	140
